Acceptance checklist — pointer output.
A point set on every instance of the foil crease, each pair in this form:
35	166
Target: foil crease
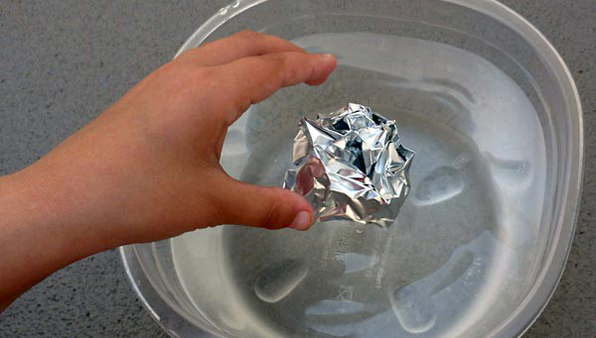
351	165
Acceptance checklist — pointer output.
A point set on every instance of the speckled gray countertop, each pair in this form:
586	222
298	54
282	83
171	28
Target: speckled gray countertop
62	63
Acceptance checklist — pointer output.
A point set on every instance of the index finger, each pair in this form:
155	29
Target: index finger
251	80
242	44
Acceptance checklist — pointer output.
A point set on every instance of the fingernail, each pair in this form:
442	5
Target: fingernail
328	56
301	221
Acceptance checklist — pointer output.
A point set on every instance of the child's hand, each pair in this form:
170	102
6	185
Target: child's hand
150	164
148	168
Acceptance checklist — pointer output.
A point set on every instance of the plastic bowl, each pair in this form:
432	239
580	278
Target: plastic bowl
482	240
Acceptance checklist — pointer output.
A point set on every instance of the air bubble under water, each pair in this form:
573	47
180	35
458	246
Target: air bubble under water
438	186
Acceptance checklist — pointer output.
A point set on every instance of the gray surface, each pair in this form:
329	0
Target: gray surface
61	64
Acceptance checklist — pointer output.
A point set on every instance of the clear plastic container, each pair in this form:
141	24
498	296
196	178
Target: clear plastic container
480	244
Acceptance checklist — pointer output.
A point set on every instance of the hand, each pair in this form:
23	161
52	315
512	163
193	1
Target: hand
148	168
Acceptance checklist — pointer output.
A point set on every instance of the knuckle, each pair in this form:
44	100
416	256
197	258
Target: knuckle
201	75
277	214
167	68
279	64
248	34
189	54
294	72
279	59
273	216
288	69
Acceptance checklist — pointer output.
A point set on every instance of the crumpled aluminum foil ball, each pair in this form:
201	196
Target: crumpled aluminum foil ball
350	165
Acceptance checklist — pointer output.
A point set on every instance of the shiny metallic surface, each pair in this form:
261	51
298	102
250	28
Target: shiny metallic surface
351	165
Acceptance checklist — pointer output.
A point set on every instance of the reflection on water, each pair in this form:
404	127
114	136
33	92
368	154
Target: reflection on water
439	185
277	281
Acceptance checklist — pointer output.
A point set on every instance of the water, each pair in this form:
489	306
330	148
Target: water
460	254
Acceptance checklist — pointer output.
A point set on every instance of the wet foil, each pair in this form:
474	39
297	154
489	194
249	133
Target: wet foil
351	165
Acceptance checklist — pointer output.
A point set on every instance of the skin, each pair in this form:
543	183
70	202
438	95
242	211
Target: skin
148	167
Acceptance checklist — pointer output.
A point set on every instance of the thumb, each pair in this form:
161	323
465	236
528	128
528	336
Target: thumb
266	207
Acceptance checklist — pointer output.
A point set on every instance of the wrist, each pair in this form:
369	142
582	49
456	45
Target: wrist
31	244
42	214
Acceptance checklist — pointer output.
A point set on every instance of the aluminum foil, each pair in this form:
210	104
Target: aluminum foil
351	165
